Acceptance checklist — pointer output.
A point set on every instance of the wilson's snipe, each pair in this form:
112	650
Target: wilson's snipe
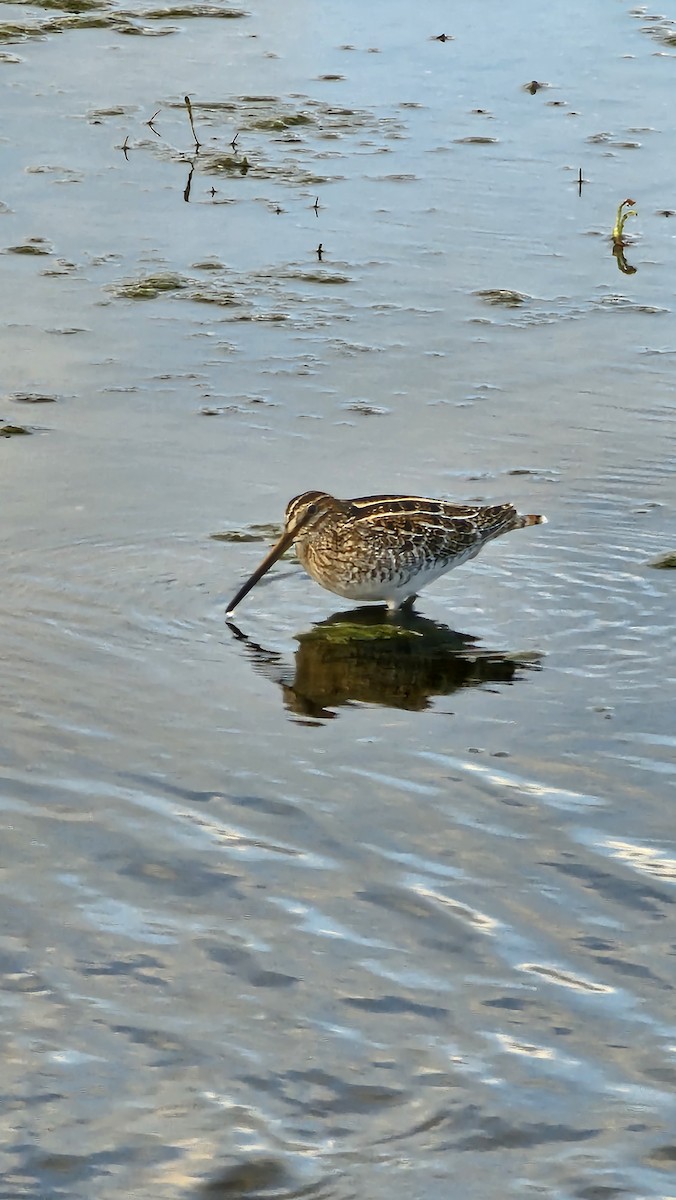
384	547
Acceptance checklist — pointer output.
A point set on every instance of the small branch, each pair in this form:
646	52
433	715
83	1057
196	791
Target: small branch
192	123
150	123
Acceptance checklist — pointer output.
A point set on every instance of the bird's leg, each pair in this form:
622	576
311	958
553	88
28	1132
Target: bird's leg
404	606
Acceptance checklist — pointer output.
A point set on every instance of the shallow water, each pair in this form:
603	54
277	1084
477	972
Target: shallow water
289	911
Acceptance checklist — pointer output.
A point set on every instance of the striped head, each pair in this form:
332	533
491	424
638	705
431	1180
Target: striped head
304	515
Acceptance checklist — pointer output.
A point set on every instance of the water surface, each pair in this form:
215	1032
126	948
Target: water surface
285	914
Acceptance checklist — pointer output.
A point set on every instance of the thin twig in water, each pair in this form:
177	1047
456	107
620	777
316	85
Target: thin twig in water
150	123
192	123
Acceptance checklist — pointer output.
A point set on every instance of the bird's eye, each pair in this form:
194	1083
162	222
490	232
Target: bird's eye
311	510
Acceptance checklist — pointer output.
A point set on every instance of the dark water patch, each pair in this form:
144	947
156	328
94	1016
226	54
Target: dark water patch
243	963
616	887
267	805
507	1003
600	1191
476	140
497	1133
663	1157
326	1092
622	966
254	1178
406	902
182	877
147	967
55	1174
154	1039
394	1005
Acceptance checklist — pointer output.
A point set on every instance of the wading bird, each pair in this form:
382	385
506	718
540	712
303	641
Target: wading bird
384	548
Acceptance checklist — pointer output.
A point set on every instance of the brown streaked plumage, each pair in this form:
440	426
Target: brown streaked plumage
384	548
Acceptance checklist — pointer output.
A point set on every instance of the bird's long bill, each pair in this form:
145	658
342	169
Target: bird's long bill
270	558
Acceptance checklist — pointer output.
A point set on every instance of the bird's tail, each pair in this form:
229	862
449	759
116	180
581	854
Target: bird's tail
529	519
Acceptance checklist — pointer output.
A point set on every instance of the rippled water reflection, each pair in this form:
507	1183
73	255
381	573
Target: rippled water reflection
314	905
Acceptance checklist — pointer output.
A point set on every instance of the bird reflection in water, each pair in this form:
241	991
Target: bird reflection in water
364	656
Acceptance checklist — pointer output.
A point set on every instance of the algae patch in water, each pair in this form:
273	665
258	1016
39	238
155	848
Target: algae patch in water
31	398
346	633
365	409
252	533
503	296
14	431
148	287
218	164
36	245
181	12
475	140
276	123
73	6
